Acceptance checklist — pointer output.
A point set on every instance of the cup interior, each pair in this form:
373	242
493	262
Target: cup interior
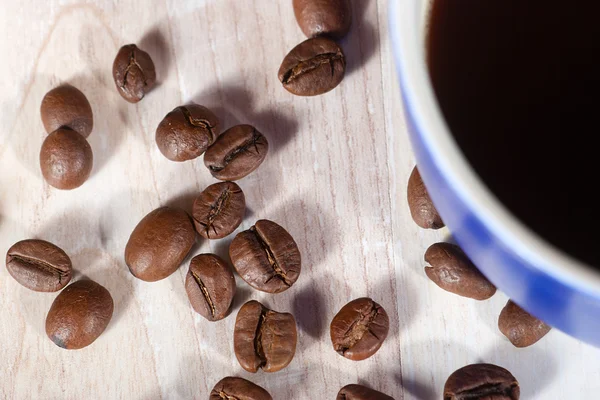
409	20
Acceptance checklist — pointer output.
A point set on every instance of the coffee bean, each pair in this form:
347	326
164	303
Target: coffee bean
359	329
452	270
263	338
324	17
79	315
66	159
66	106
159	243
359	392
314	67
236	153
232	388
39	265
219	210
210	286
186	132
481	382
133	72
421	207
266	257
520	327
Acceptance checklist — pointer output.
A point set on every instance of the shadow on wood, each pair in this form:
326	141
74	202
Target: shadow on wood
363	40
234	105
154	42
418	389
308	307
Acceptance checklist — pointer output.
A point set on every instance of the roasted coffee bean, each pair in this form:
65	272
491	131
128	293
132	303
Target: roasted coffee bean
39	265
219	210
186	132
314	67
66	106
66	159
359	392
520	327
79	314
236	153
263	338
133	72
324	17
232	388
359	329
266	257
210	286
421	207
452	270
159	243
481	382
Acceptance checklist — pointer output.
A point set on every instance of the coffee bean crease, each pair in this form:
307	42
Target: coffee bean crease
258	347
311	64
198	122
133	63
39	264
278	271
358	329
225	396
253	142
215	210
205	293
486	390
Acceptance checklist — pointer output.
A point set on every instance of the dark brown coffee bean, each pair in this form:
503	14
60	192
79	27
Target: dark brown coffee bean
359	392
266	257
421	207
186	132
159	243
454	272
219	210
210	286
520	327
314	67
232	388
79	314
66	159
263	338
359	329
39	265
324	17
134	73
236	153
66	106
482	382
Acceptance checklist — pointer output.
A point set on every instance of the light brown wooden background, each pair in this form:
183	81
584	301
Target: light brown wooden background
335	177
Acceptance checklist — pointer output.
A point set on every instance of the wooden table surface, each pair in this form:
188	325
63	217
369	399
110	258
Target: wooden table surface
335	177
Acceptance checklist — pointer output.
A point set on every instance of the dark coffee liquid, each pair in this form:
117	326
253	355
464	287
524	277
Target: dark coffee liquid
518	82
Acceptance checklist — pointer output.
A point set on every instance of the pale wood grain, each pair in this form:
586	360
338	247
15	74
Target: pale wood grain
335	178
